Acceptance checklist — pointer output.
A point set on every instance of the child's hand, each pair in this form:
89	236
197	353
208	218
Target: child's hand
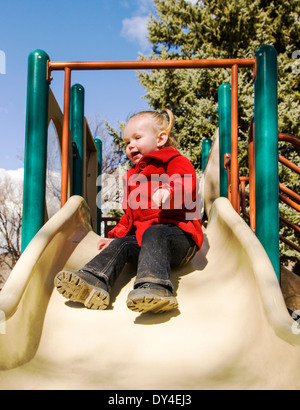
103	243
161	196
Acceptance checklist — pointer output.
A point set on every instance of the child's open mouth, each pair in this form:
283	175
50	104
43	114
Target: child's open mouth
135	154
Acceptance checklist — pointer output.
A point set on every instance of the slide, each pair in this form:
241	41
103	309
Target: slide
231	330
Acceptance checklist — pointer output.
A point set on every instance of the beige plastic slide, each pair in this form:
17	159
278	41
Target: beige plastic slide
231	331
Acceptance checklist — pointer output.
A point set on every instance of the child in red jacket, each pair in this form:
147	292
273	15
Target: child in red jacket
160	228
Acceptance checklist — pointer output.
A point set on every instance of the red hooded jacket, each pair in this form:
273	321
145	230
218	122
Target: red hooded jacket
168	169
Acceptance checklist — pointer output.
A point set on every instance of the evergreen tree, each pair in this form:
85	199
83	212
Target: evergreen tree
224	29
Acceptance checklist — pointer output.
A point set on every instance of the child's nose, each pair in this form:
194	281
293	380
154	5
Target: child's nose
131	145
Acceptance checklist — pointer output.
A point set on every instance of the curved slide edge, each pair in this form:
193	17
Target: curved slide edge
210	181
225	222
25	296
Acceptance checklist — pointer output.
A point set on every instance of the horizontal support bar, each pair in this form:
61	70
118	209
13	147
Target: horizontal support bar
150	64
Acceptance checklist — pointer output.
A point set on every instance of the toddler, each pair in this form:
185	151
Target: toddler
160	228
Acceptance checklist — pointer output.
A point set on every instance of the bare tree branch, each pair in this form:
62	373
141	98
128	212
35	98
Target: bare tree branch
10	220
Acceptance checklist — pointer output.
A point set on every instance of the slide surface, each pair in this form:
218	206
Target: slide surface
231	331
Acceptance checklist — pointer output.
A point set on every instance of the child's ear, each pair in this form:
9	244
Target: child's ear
162	139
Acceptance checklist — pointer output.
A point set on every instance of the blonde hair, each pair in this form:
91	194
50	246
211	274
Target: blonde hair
162	123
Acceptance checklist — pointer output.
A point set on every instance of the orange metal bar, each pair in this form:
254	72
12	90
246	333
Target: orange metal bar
289	202
289	163
227	166
251	149
65	138
289	138
234	139
294	141
243	181
289	191
150	64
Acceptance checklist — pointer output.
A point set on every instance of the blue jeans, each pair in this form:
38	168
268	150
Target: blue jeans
163	247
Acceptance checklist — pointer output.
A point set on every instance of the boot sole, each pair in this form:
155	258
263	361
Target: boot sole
72	287
152	304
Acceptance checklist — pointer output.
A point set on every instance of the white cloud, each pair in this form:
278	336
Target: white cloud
15	174
135	29
144	6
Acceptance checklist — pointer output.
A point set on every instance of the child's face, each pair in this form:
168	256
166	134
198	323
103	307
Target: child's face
141	137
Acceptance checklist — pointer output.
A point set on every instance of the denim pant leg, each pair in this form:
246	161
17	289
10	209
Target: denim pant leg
108	264
163	247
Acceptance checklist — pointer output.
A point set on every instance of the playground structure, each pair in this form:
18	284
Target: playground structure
233	259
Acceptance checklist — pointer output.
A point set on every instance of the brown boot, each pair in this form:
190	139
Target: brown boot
83	287
150	297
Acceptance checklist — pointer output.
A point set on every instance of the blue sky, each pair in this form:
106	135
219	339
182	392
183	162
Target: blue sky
70	30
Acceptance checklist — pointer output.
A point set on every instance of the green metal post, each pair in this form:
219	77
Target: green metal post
266	153
98	143
224	102
206	146
36	133
77	128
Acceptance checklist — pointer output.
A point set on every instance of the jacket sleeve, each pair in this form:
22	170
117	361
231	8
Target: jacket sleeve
121	229
183	186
